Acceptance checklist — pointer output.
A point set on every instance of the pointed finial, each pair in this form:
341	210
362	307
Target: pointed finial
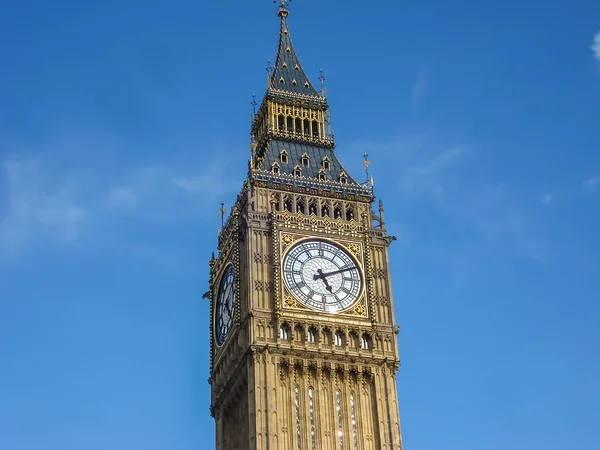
253	103
222	212
381	216
269	67
322	80
283	8
367	163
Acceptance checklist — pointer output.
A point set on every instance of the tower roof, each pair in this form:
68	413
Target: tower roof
288	75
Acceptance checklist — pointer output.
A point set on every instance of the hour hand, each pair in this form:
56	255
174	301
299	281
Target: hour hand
322	276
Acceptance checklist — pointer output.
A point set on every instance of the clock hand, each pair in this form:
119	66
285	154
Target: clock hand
323	275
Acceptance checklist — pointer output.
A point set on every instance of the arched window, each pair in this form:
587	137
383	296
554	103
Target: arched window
322	176
283	156
326	163
343	177
337	211
275	168
284	332
287	204
312	207
297	171
315	128
281	122
305	160
306	127
350	213
312	335
290	124
300	207
325	211
339	338
365	342
298	124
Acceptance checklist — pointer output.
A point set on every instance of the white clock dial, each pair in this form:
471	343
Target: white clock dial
322	275
225	307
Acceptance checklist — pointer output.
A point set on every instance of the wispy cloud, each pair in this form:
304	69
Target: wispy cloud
45	199
453	183
125	197
547	199
592	182
596	46
37	204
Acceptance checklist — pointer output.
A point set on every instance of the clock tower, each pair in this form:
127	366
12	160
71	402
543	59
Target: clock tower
303	339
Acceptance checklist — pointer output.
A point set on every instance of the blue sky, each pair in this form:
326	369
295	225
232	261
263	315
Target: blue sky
124	124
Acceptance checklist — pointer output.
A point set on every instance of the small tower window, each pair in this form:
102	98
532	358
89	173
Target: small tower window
312	207
349	213
365	342
312	335
300	206
297	171
284	332
322	176
325	211
337	212
284	65
281	80
297	67
305	160
294	82
283	156
306	84
339	339
287	204
315	128
326	163
343	177
275	168
288	50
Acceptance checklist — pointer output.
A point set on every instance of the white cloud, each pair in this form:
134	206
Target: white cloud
125	197
547	199
38	203
592	182
211	183
596	46
455	184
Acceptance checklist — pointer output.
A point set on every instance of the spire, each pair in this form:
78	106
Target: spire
288	74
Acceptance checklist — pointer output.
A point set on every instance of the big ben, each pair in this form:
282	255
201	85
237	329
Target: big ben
304	352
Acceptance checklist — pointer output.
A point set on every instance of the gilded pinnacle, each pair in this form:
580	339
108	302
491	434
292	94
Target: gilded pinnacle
283	11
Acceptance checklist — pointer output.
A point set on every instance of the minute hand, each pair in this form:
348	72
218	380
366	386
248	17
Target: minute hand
338	271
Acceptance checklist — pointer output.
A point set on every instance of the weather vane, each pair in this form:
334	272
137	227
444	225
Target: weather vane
322	80
222	212
367	163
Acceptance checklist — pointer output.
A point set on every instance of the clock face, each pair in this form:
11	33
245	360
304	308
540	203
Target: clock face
322	275
225	307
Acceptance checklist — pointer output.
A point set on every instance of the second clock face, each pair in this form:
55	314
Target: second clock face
322	275
225	308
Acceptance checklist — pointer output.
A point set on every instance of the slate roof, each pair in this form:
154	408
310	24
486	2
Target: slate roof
295	150
288	75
